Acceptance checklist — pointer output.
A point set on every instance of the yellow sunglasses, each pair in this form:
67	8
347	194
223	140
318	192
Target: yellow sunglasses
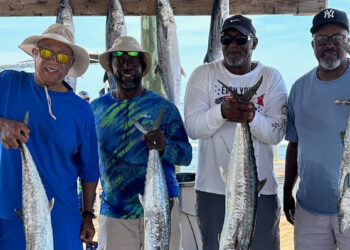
60	57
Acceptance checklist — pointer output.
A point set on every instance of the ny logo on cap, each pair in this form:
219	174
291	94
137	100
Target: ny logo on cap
328	14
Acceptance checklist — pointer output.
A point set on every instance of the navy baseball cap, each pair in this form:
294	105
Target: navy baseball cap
241	23
329	16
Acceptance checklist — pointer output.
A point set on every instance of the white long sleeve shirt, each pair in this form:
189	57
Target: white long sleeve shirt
204	121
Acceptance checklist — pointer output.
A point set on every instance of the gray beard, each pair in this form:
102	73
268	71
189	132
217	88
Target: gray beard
236	63
329	65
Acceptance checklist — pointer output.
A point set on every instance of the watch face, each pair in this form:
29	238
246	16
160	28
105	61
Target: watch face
91	246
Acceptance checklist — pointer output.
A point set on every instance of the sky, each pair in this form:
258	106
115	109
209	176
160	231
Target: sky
284	42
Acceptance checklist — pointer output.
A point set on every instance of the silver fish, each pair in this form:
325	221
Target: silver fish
65	16
155	200
242	186
169	65
344	182
36	208
115	27
219	13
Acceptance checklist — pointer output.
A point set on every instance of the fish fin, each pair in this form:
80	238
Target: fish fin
19	213
247	95
25	121
183	72
105	76
342	136
157	70
26	118
261	184
51	203
139	126
206	59
141	199
158	120
346	182
223	173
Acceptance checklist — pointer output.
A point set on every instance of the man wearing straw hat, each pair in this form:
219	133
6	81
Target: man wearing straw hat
60	136
124	151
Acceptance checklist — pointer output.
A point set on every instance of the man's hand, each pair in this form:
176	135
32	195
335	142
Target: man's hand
289	207
12	132
155	140
237	112
87	230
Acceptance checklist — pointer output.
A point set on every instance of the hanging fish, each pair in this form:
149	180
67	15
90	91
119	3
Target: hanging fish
115	27
219	13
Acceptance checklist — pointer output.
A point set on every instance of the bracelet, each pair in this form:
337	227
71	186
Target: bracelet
89	214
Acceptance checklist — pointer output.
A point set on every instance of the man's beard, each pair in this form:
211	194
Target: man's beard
238	62
129	86
329	64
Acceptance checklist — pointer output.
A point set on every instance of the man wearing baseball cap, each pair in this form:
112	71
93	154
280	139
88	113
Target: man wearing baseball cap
314	152
211	116
124	150
60	136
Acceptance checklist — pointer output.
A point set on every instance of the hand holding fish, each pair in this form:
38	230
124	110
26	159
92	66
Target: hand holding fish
235	111
87	230
12	132
289	207
155	140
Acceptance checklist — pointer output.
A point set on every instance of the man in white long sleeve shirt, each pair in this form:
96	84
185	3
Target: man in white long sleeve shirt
212	118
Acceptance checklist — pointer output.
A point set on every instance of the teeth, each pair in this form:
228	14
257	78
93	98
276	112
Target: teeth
50	69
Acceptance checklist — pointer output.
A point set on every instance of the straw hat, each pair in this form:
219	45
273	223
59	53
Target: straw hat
63	34
125	43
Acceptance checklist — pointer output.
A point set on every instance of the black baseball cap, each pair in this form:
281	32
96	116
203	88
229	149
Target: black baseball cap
329	16
241	23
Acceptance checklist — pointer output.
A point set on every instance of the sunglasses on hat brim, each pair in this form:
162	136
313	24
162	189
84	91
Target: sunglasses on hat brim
120	53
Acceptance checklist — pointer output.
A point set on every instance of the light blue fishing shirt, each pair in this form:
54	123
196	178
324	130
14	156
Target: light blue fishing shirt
124	156
315	122
62	149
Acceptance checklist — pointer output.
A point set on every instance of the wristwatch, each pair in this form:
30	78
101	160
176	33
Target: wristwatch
88	214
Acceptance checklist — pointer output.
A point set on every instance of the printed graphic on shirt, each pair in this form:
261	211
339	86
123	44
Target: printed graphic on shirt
220	92
281	126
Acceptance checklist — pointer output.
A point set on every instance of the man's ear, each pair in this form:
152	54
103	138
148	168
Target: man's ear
34	51
255	43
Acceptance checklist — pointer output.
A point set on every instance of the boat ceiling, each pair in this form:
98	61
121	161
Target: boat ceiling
148	7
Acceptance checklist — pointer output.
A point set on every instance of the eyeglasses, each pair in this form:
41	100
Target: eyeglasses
323	39
239	40
120	53
60	57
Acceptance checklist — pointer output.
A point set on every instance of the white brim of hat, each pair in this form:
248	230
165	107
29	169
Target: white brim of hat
81	56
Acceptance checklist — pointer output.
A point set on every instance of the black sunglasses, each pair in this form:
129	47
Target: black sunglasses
239	40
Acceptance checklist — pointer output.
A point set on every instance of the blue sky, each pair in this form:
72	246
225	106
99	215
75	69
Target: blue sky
284	42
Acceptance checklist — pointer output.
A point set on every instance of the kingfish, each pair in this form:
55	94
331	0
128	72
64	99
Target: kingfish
155	200
344	172
242	185
219	13
169	65
344	183
36	208
65	16
115	27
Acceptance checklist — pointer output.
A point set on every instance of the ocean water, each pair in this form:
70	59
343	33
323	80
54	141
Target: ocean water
279	155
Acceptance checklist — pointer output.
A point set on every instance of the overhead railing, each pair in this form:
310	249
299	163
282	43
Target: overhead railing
148	7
